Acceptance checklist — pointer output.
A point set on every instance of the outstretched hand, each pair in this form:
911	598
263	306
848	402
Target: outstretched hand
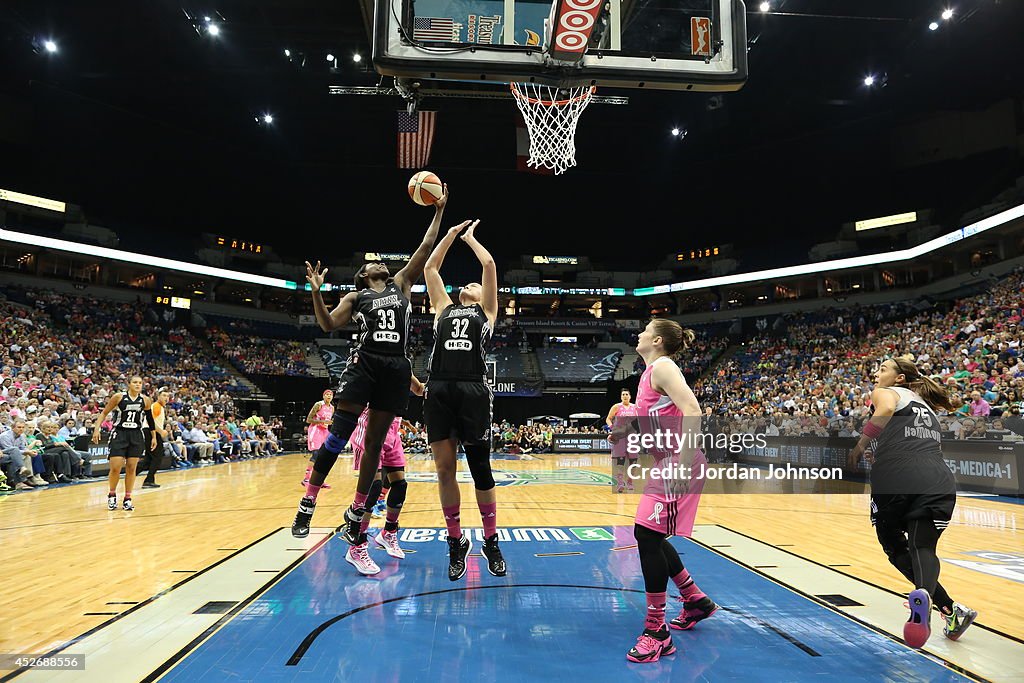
468	235
456	229
314	276
439	204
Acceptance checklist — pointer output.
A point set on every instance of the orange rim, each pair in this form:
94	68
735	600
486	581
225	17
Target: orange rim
554	103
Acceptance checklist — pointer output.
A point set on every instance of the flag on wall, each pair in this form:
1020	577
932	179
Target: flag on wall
415	137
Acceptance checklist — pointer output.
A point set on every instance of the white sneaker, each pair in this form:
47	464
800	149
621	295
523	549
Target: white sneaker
36	480
388	540
358	557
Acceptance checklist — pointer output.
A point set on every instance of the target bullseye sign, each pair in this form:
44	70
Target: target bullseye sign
572	23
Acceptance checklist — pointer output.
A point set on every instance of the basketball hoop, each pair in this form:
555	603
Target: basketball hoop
551	115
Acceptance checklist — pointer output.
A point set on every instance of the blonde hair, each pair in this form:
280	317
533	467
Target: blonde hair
675	338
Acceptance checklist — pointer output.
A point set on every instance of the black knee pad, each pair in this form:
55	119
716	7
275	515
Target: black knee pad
396	496
342	426
479	459
374	493
341	429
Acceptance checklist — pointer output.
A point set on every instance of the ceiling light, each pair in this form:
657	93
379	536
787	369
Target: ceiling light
50	46
213	29
765	6
934	26
357	58
947	14
869	81
267	118
330	57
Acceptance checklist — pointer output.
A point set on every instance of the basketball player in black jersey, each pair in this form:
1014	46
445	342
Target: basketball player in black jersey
377	374
127	441
457	404
913	491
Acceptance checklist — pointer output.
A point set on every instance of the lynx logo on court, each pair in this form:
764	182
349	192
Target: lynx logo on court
591	533
700	36
1004	565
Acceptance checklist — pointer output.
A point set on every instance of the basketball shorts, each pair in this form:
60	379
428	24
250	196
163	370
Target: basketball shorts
895	510
619	450
905	488
127	443
458	409
391	452
670	506
375	380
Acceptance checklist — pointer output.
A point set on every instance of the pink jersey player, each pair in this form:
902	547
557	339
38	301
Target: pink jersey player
391	452
663	506
317	433
624	417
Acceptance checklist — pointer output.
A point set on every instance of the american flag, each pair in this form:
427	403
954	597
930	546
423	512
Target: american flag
434	28
415	136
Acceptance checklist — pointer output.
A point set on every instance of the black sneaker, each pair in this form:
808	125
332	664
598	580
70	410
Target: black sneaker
150	485
351	528
458	550
492	553
693	612
300	527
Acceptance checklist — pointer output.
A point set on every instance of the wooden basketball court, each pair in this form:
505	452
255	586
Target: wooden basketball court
76	574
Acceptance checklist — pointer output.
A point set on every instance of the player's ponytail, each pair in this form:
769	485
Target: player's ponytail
930	391
675	338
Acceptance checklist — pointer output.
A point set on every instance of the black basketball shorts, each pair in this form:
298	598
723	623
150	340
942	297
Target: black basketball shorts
376	380
458	409
127	443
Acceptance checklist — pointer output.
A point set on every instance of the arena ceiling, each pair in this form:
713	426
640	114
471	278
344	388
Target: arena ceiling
151	127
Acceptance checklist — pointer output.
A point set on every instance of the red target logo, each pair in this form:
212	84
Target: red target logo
573	22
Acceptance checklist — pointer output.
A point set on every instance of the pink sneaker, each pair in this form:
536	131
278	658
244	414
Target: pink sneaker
358	557
388	540
918	627
652	646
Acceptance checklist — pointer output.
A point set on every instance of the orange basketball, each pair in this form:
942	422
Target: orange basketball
425	188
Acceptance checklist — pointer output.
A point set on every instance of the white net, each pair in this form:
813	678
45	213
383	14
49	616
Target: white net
551	115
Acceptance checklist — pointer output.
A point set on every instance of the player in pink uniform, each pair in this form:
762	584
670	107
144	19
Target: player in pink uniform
319	419
620	417
669	504
391	471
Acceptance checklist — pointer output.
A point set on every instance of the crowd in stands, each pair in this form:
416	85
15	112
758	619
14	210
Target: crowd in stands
820	373
64	356
256	355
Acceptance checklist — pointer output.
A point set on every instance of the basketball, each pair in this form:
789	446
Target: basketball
425	188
